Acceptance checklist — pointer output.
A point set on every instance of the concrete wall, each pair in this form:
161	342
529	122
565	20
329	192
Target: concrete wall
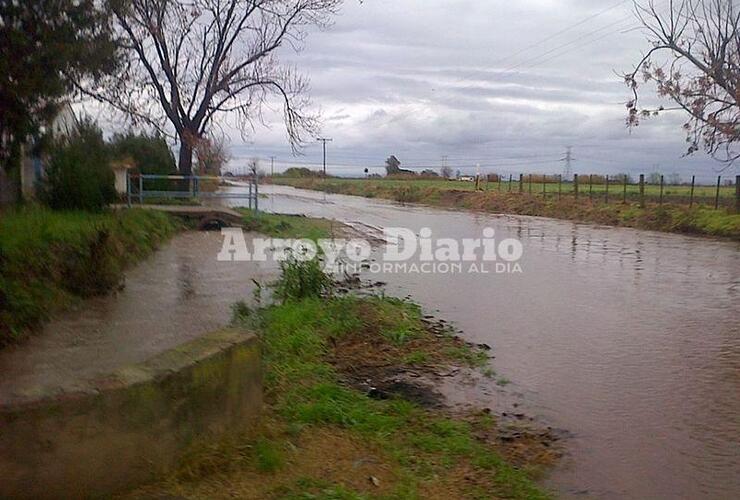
131	427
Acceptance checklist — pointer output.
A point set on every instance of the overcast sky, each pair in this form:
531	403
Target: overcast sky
503	84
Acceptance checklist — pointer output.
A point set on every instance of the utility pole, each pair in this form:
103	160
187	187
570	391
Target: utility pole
568	172
272	166
324	140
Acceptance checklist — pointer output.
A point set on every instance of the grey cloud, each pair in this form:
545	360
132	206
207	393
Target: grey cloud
423	78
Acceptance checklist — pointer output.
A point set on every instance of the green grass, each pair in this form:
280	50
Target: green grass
321	437
288	226
49	259
268	455
673	216
702	193
306	392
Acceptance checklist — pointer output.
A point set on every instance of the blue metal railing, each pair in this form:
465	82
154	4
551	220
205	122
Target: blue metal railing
136	188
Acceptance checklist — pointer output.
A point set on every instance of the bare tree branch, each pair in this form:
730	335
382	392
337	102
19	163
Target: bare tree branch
199	58
701	71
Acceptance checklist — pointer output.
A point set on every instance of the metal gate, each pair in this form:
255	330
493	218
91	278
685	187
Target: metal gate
148	187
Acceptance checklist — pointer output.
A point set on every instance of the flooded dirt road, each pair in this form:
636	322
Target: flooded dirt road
629	340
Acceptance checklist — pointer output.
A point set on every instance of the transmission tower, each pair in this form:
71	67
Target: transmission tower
568	159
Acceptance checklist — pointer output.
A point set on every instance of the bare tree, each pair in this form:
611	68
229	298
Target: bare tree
211	154
699	71
446	171
253	168
199	58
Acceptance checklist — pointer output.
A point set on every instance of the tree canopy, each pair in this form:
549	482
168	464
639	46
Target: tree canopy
188	61
46	45
699	73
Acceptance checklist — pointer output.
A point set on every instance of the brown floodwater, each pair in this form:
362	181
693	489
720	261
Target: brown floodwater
178	294
627	339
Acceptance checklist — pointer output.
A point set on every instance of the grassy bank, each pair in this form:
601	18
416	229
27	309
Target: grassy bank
326	435
288	226
698	220
49	260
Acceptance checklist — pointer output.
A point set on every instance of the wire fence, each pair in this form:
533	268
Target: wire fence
618	189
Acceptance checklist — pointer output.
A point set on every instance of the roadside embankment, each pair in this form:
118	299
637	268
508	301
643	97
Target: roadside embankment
698	220
352	411
132	425
288	226
49	260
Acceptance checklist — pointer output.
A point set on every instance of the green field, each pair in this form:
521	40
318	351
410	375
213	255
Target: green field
672	213
678	194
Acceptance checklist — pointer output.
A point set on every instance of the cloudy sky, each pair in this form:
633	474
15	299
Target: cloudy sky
504	84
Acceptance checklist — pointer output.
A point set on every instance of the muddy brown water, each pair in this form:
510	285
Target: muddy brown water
629	340
178	294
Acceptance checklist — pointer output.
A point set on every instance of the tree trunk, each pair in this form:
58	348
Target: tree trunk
185	163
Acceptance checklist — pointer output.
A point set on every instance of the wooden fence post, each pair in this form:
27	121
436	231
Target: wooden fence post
590	187
660	200
642	190
544	184
691	196
530	183
510	179
499	183
716	196
606	192
575	185
560	186
737	194
521	183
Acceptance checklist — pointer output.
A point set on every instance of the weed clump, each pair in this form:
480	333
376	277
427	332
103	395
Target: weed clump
301	279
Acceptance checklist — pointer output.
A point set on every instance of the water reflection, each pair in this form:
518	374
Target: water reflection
628	339
178	294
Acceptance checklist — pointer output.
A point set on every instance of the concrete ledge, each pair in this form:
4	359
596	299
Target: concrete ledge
132	426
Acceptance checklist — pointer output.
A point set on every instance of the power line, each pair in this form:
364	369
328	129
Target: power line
324	140
531	62
564	30
537	60
556	34
410	161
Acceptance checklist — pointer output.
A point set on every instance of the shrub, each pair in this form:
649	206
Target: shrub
301	172
78	175
151	156
301	279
